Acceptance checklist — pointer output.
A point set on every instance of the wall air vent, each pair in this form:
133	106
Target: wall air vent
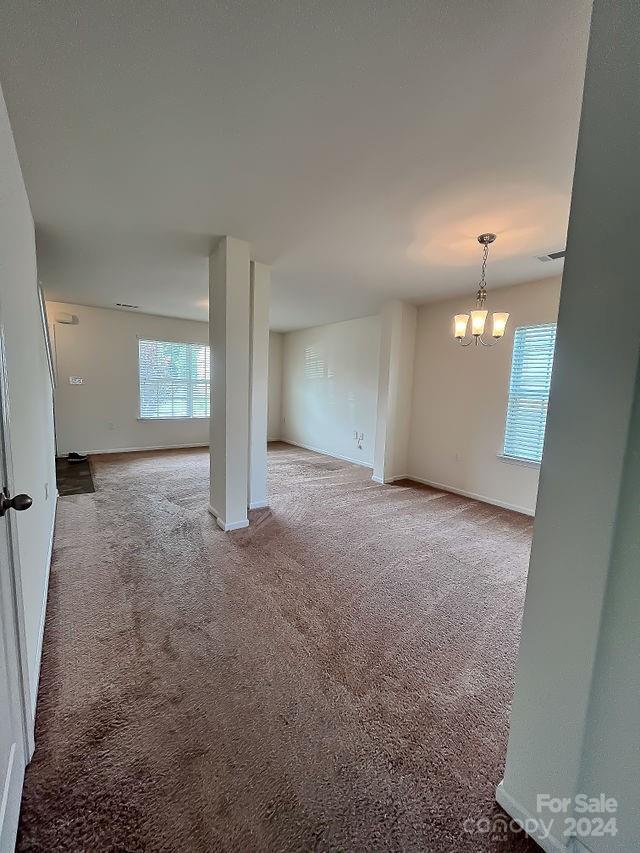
552	256
125	305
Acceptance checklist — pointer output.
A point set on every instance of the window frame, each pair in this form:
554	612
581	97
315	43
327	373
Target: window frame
169	418
503	455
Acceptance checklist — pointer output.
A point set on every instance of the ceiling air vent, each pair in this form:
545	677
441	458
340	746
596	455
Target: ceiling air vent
125	305
552	256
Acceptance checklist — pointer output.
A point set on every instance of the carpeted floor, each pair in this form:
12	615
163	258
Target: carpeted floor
335	677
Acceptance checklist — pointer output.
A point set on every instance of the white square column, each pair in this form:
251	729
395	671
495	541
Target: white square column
259	380
398	322
229	322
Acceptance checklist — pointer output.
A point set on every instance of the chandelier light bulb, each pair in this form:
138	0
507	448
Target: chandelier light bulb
478	319
460	322
499	324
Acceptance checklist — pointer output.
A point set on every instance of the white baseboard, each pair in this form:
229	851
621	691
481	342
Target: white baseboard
390	480
33	686
326	453
483	498
258	504
549	843
227	526
139	449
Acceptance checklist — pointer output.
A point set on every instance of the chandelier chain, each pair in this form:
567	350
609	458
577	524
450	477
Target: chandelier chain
485	255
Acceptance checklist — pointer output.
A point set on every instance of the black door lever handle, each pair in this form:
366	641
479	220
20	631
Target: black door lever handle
18	502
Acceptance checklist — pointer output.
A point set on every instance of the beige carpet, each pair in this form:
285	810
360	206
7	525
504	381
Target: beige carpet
336	677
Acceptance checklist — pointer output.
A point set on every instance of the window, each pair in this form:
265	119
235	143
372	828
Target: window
529	391
174	379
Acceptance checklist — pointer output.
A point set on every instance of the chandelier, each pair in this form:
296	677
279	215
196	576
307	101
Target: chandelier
479	315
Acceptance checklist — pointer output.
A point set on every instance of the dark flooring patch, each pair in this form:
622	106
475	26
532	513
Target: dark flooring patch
74	478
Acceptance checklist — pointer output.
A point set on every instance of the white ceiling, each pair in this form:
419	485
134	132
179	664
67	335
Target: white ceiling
360	145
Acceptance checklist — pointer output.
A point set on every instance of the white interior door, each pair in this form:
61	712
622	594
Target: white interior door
12	741
15	737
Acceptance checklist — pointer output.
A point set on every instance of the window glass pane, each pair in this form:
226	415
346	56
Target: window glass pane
531	369
174	379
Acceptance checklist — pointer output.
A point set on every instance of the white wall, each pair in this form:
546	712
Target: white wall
102	348
567	710
608	763
30	394
274	417
398	322
330	388
229	336
260	294
460	399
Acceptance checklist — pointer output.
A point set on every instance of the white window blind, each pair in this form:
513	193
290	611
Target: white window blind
174	379
529	391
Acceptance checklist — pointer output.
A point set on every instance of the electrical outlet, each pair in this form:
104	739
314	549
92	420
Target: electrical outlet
76	380
46	491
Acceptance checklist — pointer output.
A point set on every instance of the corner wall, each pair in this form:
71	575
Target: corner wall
102	348
398	321
330	388
274	416
574	718
608	764
460	399
30	395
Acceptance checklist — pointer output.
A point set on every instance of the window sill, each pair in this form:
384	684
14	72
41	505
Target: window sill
152	420
514	460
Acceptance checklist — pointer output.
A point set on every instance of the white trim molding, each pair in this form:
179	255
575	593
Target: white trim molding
228	526
324	453
548	842
390	480
258	504
33	686
142	449
482	498
170	419
516	460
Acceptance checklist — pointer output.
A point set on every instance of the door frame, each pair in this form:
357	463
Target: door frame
15	575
